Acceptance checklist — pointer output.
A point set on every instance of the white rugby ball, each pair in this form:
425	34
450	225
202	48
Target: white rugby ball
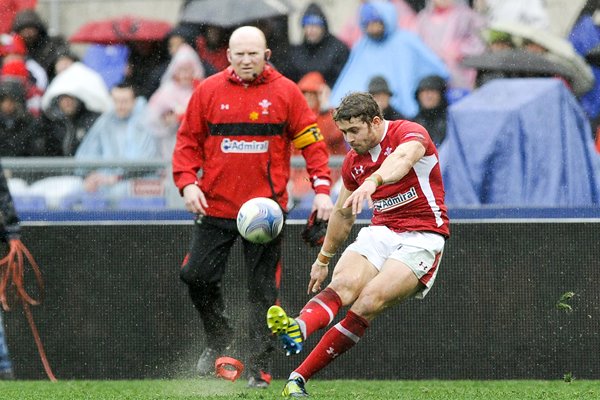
260	220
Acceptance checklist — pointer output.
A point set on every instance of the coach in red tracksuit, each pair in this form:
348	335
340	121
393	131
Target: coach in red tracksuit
238	130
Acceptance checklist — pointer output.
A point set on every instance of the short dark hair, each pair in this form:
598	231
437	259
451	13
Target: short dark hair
128	84
359	105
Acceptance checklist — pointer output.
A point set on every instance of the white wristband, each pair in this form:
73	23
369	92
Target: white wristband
321	264
327	254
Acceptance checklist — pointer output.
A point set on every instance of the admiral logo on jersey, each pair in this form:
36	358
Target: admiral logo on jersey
242	146
398	200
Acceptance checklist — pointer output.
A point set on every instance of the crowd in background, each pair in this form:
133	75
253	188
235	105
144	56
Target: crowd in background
126	101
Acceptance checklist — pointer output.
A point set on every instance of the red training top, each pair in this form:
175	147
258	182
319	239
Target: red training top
239	133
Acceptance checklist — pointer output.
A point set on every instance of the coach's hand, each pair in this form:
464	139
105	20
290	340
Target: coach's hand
323	204
195	202
318	274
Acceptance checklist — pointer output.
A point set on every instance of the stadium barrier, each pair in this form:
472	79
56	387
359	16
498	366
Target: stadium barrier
114	307
56	184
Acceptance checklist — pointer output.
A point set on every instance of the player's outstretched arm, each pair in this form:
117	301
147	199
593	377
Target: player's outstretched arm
401	161
338	229
393	168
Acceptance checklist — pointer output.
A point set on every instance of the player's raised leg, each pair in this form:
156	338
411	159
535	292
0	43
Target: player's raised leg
394	283
286	329
351	274
316	314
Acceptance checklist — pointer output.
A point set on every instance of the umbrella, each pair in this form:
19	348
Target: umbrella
563	14
519	62
560	50
554	16
121	30
514	61
552	42
232	13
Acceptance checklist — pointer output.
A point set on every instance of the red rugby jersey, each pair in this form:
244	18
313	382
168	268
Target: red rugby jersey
415	202
239	135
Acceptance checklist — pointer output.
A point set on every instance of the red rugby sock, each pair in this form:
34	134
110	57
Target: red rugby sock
319	311
337	340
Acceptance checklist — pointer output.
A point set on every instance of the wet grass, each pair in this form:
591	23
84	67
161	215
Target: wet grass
318	389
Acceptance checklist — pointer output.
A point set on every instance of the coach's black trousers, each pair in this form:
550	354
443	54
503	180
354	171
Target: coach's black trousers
203	272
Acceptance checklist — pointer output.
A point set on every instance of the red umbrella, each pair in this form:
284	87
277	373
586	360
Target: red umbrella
121	30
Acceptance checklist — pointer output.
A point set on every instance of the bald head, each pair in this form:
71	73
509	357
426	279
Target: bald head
248	33
248	52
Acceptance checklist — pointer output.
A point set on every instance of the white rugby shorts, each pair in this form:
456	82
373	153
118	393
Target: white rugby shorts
420	251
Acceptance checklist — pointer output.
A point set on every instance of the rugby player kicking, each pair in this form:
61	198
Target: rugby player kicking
394	167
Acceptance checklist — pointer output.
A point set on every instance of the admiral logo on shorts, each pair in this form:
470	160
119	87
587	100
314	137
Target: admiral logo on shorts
242	146
398	200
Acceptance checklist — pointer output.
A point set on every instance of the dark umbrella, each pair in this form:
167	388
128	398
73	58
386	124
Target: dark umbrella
232	13
121	30
523	61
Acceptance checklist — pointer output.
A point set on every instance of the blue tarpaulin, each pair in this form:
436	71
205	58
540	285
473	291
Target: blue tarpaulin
520	143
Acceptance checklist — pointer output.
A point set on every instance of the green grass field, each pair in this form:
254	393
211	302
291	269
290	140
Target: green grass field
319	389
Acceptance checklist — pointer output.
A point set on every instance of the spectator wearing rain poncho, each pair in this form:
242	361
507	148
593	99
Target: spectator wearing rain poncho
70	106
119	134
167	105
399	56
452	30
351	32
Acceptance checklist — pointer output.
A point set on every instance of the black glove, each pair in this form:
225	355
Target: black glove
314	231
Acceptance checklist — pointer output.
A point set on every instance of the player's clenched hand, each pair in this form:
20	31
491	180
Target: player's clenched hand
194	199
318	274
323	204
358	197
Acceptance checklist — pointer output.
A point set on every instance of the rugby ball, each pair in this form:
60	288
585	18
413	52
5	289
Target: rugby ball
260	220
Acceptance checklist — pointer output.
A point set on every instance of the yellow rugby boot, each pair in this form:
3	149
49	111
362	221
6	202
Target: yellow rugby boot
286	328
294	388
